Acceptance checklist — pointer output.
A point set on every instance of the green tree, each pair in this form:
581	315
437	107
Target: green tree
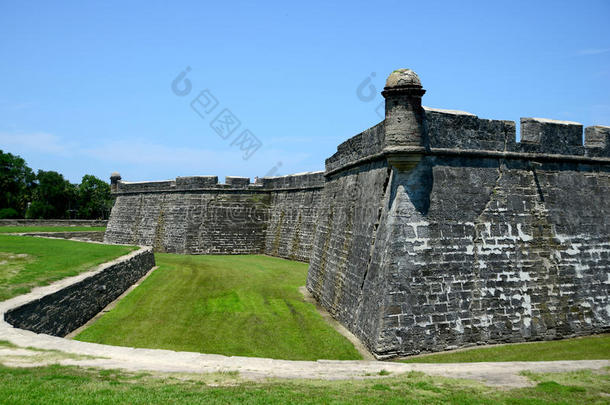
94	198
54	196
8	213
17	182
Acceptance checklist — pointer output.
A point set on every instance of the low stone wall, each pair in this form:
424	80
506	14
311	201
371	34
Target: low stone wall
53	222
95	236
63	311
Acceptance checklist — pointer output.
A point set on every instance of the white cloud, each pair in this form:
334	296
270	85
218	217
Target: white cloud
593	51
38	141
140	151
192	161
17	106
23	106
148	160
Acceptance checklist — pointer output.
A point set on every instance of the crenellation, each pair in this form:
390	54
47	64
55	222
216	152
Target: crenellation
597	141
462	130
299	180
195	182
544	135
237	181
210	183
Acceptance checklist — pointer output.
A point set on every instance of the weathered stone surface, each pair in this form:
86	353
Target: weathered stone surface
402	78
237	181
464	251
462	130
344	255
404	115
192	182
367	143
197	215
551	136
292	223
467	248
597	141
62	312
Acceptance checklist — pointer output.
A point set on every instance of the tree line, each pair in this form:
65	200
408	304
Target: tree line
47	195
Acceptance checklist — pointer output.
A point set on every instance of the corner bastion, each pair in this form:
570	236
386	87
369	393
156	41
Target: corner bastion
432	230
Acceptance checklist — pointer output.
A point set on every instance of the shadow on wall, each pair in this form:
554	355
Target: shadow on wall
417	184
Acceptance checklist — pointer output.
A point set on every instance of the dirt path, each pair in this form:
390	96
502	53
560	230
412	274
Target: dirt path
95	355
38	349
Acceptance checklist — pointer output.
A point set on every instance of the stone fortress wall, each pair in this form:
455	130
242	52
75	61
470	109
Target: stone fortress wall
197	215
438	230
432	230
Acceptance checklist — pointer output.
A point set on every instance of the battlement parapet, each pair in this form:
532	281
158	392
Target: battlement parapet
464	133
543	135
294	181
144	186
210	183
463	130
192	182
367	143
235	181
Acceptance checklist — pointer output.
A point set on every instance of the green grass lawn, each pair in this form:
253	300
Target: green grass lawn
232	305
23	229
584	348
27	262
69	385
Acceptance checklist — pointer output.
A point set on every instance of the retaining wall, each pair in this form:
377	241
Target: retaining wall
63	311
88	236
52	222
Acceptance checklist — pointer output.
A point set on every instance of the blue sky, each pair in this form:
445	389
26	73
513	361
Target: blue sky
86	86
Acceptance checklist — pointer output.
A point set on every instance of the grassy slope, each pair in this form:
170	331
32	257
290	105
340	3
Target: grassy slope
68	385
22	229
232	305
47	260
585	348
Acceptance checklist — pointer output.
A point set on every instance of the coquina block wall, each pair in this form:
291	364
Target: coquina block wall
438	230
197	215
72	302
